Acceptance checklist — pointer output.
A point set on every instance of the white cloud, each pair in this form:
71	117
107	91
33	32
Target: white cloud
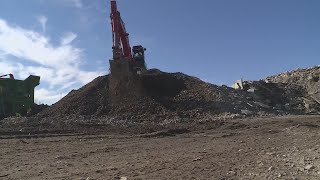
6	68
58	66
43	22
68	38
32	46
43	95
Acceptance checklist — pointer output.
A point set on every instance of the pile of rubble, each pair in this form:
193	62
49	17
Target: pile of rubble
172	98
156	96
307	82
278	96
296	92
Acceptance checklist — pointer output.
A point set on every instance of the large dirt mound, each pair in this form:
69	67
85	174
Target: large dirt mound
152	96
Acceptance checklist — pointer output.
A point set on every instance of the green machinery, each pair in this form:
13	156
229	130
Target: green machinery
16	96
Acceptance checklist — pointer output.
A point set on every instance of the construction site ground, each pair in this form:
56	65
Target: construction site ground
257	148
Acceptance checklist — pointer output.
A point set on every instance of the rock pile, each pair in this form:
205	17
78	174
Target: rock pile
304	87
154	96
157	99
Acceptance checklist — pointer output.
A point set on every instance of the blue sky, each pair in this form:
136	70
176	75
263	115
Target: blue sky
68	42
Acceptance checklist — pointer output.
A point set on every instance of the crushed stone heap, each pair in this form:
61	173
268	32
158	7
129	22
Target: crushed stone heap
307	82
157	100
153	96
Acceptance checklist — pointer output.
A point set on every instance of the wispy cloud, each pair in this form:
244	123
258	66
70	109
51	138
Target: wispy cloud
68	38
43	22
59	66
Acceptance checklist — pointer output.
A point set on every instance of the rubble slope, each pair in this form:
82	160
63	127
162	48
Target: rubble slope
307	82
152	96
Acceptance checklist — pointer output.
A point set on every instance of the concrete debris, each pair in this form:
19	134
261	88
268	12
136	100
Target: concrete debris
295	92
251	90
262	105
155	96
306	84
309	167
246	112
238	84
159	97
271	168
196	159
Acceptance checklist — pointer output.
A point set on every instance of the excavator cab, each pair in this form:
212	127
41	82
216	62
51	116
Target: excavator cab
138	55
139	64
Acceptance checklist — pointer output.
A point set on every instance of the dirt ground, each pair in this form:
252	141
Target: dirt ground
264	148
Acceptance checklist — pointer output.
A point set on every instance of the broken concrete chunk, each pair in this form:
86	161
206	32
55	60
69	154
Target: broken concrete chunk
246	112
251	90
262	105
277	107
313	78
309	167
287	107
271	168
267	80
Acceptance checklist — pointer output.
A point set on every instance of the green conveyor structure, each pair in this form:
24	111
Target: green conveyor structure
17	96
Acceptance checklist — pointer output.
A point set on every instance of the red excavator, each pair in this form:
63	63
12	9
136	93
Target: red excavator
125	62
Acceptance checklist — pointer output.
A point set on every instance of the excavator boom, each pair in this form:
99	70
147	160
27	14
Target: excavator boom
119	33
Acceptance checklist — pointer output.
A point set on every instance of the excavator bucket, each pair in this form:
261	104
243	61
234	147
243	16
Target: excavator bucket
120	68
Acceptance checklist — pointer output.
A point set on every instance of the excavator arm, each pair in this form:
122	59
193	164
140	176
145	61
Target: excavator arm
119	34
